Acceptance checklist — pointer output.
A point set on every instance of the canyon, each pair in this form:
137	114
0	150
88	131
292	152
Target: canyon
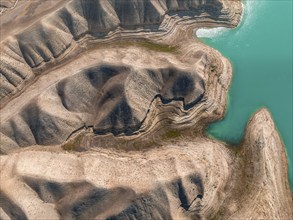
104	106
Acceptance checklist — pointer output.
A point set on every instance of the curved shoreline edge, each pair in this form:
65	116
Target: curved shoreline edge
228	138
168	168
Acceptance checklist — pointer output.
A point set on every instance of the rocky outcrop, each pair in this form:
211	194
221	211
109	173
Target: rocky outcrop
108	98
191	178
263	161
113	98
7	4
24	55
160	184
145	96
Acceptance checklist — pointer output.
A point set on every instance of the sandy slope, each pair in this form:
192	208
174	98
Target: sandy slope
103	109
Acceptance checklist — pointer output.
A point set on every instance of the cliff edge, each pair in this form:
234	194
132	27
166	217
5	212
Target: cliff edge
104	105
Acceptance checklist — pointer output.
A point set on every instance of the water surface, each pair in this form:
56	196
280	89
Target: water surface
260	50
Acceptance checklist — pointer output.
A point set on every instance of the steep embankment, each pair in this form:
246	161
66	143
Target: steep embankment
171	182
77	78
44	43
132	97
191	178
108	98
265	172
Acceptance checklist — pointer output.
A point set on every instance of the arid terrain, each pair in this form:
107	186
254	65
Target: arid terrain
104	106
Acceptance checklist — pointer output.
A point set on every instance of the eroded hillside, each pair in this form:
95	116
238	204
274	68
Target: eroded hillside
104	105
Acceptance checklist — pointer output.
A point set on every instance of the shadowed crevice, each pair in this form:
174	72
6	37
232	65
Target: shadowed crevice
10	208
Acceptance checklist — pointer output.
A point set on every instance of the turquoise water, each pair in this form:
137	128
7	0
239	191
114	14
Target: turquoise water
260	50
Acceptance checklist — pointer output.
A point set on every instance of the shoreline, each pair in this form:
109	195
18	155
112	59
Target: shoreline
215	31
228	138
56	165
